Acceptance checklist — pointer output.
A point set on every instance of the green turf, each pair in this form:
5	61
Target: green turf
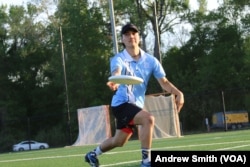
129	155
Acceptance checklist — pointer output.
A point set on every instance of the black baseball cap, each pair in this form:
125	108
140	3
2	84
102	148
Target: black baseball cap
128	27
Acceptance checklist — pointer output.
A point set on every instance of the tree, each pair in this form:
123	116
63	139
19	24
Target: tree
211	62
25	56
87	49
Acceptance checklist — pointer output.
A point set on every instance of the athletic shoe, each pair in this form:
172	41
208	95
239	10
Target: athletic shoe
92	159
146	164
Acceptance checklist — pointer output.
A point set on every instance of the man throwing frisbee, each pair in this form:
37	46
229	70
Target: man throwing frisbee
128	100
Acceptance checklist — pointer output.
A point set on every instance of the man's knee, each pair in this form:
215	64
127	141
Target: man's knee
151	120
144	118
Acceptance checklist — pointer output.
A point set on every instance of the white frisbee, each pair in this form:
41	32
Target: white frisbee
125	79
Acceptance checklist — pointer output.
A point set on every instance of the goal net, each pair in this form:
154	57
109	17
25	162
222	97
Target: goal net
94	125
94	122
164	110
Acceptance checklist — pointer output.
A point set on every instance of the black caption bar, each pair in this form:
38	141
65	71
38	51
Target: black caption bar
198	158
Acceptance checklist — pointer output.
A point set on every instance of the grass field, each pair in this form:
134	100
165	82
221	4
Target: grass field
129	155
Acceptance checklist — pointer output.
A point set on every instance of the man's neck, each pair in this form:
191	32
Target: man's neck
134	52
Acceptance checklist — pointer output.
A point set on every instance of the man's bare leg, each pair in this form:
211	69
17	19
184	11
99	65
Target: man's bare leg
146	120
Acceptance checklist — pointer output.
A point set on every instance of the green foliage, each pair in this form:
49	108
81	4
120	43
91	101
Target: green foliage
25	58
8	139
87	50
55	136
211	62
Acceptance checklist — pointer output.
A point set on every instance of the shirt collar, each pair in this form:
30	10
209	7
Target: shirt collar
129	58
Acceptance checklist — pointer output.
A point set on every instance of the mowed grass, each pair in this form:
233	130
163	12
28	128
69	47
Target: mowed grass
129	155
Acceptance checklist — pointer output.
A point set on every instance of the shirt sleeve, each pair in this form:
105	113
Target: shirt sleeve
115	63
158	71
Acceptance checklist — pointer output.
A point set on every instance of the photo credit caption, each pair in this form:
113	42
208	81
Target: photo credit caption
198	158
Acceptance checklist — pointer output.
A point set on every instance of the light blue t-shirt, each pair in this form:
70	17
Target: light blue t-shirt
146	66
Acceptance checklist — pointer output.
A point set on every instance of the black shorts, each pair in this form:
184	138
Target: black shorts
124	114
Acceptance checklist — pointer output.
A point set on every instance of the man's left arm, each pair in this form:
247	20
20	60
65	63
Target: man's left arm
170	88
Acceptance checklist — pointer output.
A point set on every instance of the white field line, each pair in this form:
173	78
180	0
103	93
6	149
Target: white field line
39	158
193	145
122	152
120	163
230	148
